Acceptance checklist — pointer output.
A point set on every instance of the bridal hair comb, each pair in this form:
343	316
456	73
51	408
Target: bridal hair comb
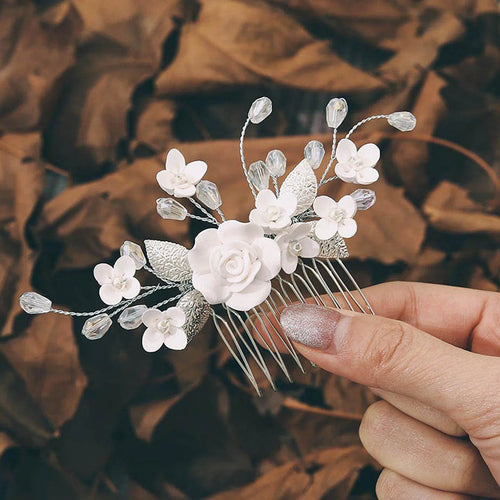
242	274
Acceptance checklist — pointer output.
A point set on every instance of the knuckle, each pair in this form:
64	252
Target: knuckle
388	485
375	424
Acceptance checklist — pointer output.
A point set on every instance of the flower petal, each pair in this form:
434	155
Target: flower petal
347	228
345	150
323	205
199	255
195	171
103	273
214	291
310	248
288	201
165	181
257	216
233	230
152	340
269	256
289	262
131	288
176	315
325	229
175	161
369	154
238	287
348	205
176	339
110	295
184	192
367	176
300	230
151	317
252	296
345	172
125	266
264	199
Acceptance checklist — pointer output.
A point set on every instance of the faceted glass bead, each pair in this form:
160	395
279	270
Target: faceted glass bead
313	153
364	198
168	208
131	317
208	194
259	175
276	163
34	303
402	120
95	328
260	109
336	111
134	251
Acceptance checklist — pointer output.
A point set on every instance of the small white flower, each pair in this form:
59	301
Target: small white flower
117	282
179	179
357	166
335	217
295	242
164	327
234	264
271	213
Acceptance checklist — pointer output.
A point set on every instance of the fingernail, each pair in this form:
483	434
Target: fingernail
311	325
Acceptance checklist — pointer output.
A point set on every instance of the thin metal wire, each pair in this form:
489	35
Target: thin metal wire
204	210
221	214
242	157
353	281
362	122
332	158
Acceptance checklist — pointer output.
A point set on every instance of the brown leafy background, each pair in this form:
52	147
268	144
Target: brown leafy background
92	94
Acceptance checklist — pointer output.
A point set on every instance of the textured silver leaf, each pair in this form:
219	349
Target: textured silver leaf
301	182
197	311
334	248
168	260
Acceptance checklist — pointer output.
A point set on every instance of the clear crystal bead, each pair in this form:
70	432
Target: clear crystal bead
260	109
259	175
168	208
208	194
276	163
336	111
134	251
34	303
364	198
95	328
402	120
131	317
313	153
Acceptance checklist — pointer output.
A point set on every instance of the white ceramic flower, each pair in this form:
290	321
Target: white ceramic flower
335	217
271	213
179	179
164	327
357	166
295	242
234	264
117	282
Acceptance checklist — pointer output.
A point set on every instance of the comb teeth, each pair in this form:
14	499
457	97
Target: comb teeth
247	334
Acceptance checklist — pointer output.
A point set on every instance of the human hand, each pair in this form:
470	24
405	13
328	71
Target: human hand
431	354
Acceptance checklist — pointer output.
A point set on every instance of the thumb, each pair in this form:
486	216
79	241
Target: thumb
395	356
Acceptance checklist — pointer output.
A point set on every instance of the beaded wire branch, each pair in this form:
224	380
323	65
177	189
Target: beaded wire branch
240	273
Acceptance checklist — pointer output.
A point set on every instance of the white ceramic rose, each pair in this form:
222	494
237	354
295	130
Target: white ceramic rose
234	264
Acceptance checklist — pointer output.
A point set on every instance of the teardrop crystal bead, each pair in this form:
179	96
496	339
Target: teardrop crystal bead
259	175
364	198
34	303
208	193
131	317
336	111
134	251
168	208
260	109
276	163
95	328
402	120
314	153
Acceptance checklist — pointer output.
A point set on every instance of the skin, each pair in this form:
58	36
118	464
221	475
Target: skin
432	355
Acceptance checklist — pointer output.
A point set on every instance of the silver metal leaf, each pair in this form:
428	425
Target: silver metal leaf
168	260
334	248
301	182
197	311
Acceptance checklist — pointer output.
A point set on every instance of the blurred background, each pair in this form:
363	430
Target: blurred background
92	94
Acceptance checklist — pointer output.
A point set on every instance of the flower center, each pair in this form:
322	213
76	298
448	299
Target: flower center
119	282
273	213
356	162
295	248
163	325
337	214
181	180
